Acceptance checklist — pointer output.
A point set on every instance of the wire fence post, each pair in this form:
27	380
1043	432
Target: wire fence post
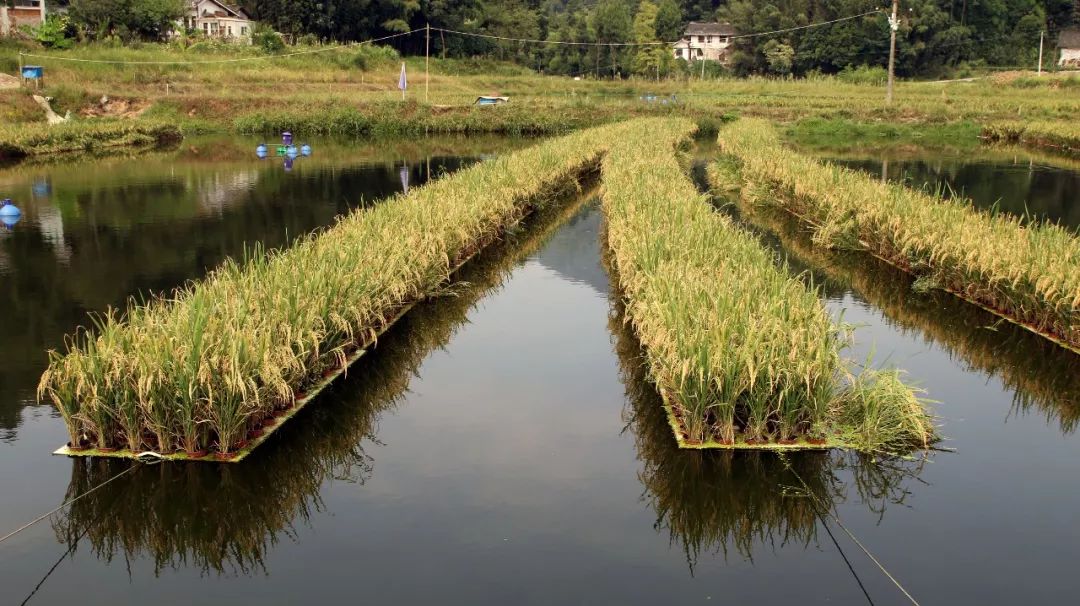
427	61
894	25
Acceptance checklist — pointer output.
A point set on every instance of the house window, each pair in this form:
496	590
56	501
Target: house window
230	30
699	52
206	27
701	38
213	28
243	30
708	39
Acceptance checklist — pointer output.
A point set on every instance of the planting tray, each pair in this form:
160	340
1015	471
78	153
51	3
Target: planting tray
799	444
275	423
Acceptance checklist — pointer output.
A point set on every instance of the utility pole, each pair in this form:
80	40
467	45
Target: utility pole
427	60
1041	35
894	24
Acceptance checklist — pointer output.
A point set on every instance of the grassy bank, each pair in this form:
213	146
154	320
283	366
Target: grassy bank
20	141
218	362
1055	136
743	353
1029	275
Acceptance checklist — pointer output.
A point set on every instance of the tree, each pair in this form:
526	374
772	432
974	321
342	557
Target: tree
611	24
780	57
669	21
647	58
129	19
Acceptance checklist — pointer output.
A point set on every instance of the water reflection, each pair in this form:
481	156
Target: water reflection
1013	180
711	502
96	231
224	519
1041	376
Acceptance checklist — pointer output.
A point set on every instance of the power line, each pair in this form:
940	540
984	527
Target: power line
624	44
221	61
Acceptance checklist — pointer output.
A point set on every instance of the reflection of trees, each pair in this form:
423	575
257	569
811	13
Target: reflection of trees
1041	375
714	501
227	518
1018	182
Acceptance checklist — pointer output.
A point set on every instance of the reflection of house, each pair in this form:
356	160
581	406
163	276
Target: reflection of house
705	41
1069	43
24	12
218	20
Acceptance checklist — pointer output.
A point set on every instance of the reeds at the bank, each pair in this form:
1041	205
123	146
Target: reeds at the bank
1045	134
204	367
19	141
742	351
1029	274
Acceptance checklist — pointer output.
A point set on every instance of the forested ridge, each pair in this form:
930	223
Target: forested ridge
935	36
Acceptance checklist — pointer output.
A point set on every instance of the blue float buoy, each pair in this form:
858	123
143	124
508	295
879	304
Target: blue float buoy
7	209
305	150
9	213
261	151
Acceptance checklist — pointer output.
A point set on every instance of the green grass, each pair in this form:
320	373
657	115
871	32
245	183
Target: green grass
743	353
1029	274
844	133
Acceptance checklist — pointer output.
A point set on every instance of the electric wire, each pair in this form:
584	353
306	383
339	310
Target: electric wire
66	503
828	510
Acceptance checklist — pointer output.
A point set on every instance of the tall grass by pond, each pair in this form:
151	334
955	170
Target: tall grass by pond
1061	136
19	141
1027	274
206	366
743	353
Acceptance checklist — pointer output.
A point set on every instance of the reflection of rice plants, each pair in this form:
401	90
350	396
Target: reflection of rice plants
225	520
208	366
718	501
1027	274
744	354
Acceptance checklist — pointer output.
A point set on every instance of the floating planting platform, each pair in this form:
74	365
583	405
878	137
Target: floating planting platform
223	363
740	442
1028	275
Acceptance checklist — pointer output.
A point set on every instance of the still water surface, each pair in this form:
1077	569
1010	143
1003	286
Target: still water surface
502	445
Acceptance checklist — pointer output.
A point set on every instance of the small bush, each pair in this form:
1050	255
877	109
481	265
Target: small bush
864	74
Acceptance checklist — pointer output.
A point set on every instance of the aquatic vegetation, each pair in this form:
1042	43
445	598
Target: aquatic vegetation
1029	274
743	353
18	141
224	359
1030	366
727	501
146	516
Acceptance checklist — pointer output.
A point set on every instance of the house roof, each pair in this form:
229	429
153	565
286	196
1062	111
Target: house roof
233	11
696	28
1069	38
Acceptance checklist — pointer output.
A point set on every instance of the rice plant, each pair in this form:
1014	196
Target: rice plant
742	352
204	367
1029	274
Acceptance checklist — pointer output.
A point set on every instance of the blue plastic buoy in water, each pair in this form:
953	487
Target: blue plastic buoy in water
305	150
261	150
9	213
291	151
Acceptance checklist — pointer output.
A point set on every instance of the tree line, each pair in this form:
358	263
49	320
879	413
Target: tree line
934	37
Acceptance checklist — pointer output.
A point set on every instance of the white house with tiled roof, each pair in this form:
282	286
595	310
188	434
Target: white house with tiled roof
705	41
1069	44
219	20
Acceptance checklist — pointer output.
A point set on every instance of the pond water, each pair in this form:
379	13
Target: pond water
1021	182
502	445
